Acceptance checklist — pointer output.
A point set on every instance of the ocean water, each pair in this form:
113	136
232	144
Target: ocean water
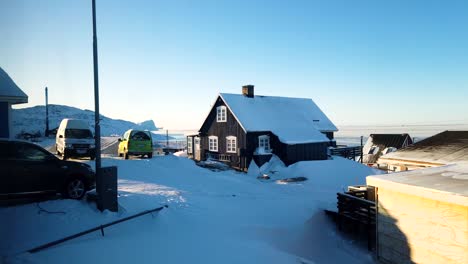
351	135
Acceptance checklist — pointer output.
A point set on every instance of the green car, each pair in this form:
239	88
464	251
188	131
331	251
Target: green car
136	142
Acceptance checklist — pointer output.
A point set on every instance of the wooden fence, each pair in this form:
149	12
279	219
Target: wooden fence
347	152
359	215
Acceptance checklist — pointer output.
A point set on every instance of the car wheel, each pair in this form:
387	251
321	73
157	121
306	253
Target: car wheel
75	188
150	155
120	154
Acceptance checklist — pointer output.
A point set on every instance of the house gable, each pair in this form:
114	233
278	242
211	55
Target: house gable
211	117
229	128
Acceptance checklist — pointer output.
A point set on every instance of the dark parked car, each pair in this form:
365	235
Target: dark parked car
27	168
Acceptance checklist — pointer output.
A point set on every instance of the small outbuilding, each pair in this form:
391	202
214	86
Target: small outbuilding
381	144
444	148
422	215
10	94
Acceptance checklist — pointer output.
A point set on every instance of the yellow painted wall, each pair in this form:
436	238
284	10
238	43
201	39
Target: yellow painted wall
412	229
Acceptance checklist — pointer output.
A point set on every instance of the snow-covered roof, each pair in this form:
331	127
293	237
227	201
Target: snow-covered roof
446	183
9	91
293	120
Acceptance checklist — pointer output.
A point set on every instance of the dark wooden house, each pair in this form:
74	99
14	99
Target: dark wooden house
242	127
381	144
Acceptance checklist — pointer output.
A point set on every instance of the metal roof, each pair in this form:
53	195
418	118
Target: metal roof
384	141
444	148
9	91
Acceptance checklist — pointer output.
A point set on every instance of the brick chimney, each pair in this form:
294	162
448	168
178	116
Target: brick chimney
248	90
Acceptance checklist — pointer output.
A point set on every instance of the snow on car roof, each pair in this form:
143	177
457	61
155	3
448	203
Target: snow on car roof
293	120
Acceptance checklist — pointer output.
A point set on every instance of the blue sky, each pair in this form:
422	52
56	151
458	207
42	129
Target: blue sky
363	62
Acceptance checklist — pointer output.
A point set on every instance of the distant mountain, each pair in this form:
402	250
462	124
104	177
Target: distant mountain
32	120
148	125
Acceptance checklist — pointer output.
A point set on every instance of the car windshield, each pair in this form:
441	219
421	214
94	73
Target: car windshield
140	135
78	133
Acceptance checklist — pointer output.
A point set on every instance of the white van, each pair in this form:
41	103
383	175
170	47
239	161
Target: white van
75	139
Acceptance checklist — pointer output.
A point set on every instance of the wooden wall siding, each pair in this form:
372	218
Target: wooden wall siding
289	154
310	151
222	129
412	229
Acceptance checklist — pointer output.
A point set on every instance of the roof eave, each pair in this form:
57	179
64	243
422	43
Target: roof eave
14	99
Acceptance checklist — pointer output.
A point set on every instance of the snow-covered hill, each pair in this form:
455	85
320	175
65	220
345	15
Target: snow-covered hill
32	120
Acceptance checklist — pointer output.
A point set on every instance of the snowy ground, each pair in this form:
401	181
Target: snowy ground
213	217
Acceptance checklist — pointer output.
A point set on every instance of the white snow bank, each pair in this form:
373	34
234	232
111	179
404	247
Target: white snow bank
213	217
182	154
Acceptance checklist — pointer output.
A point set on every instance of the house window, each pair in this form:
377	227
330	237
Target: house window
189	145
373	150
389	150
231	144
264	143
213	143
221	114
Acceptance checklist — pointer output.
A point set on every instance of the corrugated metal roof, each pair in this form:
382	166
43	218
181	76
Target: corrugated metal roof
445	148
9	91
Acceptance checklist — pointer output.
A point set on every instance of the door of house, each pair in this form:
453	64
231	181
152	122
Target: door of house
197	148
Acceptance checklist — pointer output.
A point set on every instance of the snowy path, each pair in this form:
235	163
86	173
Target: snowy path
213	217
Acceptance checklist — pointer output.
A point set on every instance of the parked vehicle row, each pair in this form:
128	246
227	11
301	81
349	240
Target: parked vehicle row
30	169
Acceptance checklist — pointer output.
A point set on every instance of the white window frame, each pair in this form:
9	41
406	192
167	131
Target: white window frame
261	143
213	143
221	114
189	145
389	150
231	144
373	150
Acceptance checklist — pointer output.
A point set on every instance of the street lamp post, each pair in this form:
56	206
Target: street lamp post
106	178
97	126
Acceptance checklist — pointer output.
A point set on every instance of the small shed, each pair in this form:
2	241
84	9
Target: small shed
381	144
10	94
422	215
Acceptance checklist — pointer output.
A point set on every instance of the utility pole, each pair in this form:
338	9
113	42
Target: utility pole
46	133
97	128
362	149
167	138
